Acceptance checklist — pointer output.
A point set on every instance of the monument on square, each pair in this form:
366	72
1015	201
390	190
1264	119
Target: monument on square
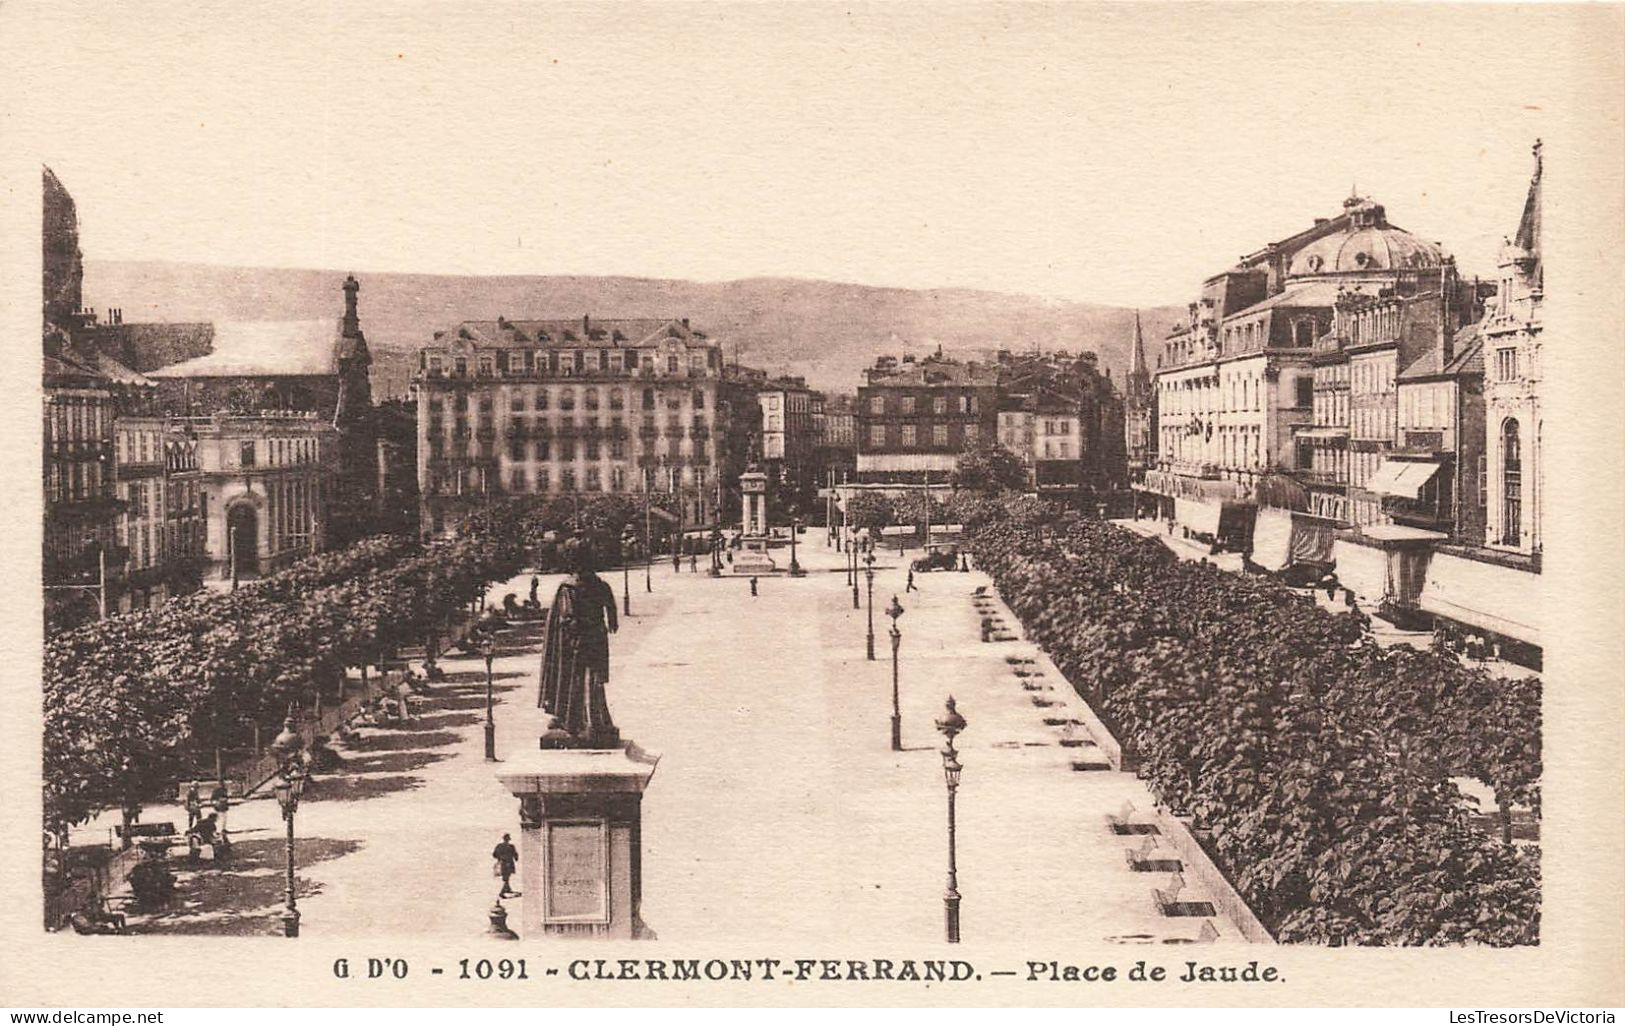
581	795
753	559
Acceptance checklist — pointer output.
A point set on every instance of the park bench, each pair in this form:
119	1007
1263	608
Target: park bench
1150	858
1171	903
147	831
1123	822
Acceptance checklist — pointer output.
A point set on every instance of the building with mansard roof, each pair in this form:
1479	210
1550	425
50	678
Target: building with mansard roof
563	407
1235	381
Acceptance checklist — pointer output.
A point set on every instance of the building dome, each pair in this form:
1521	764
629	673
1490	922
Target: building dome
1367	244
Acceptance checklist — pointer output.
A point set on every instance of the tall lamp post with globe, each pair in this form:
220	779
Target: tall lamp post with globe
795	529
869	575
288	786
951	724
894	611
629	541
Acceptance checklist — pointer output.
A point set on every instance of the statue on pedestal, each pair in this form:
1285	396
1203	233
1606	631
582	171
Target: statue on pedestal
575	657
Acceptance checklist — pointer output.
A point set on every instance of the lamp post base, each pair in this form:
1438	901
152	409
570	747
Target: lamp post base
950	908
871	649
490	742
855	603
290	923
896	733
499	929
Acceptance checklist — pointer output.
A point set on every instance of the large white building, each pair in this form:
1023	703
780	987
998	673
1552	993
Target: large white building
1512	374
557	407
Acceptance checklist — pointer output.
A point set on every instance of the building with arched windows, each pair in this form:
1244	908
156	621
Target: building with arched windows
1512	376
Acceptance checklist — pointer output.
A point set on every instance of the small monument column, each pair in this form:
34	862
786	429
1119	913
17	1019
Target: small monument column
753	559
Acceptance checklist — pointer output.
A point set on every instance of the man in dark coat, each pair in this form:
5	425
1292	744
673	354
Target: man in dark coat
575	656
507	857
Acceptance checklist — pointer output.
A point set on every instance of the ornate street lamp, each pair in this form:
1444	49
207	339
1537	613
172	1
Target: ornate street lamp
950	724
795	567
628	544
488	650
869	575
288	786
894	611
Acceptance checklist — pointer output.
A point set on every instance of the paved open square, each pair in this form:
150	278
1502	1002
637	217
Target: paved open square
778	808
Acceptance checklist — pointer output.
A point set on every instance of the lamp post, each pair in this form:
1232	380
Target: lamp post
488	649
894	611
628	545
852	552
795	567
289	785
869	575
950	724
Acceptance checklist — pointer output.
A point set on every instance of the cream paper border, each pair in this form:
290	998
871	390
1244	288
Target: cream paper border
1580	962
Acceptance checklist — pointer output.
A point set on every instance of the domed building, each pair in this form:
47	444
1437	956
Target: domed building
1245	386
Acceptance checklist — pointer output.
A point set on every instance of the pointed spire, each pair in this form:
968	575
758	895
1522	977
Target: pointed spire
1138	374
1528	237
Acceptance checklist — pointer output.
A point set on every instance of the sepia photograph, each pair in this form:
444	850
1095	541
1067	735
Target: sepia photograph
957	498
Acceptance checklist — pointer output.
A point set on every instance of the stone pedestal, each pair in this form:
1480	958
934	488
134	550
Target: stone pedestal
580	850
752	559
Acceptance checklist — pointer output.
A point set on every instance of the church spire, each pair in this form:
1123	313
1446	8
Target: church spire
1138	375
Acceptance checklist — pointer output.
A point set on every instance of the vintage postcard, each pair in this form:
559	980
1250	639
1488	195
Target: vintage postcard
812	504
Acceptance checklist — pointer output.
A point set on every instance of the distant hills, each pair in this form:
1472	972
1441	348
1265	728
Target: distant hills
826	331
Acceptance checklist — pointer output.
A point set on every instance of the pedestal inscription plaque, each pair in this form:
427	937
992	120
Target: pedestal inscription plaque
577	857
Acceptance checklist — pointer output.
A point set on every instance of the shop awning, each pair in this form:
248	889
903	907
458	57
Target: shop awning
1403	479
1323	432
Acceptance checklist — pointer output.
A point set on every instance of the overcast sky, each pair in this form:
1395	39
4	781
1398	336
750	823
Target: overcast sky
1114	154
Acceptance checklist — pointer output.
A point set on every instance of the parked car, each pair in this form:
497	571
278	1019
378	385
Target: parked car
938	557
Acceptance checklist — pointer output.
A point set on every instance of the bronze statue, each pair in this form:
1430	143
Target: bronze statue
575	657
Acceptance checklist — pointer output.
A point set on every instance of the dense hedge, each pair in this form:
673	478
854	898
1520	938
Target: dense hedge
1317	762
132	700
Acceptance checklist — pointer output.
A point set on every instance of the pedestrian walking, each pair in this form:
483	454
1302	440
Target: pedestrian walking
506	857
693	562
535	585
753	587
911	586
194	805
676	562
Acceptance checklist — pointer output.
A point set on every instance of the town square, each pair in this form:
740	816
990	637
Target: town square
706	494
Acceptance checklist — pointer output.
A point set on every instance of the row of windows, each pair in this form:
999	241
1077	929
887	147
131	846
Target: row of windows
565	449
1244	392
278	452
541	399
1374	422
907	436
566	363
567	479
964	403
74	482
1372	376
75	418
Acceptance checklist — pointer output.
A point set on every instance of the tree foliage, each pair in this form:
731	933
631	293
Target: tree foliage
990	468
1319	763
